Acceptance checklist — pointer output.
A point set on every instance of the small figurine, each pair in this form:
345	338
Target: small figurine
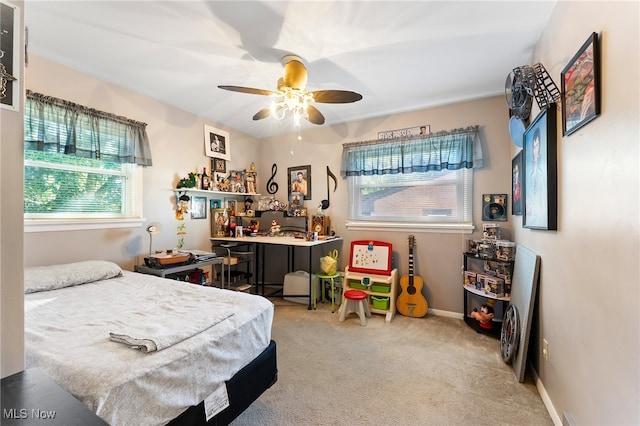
484	316
275	227
182	207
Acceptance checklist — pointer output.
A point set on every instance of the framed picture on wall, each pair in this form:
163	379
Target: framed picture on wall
580	84
218	165
540	171
516	184
300	180
198	207
217	143
9	55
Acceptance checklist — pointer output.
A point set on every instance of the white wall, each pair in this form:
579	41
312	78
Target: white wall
588	305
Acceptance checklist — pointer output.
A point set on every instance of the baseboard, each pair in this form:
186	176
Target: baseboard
546	400
448	314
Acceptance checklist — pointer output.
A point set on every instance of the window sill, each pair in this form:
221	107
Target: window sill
445	228
53	225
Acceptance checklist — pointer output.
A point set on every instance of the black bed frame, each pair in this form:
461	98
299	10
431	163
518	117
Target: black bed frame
243	388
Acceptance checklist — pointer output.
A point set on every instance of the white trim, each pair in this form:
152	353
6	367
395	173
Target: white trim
447	314
546	399
53	225
454	228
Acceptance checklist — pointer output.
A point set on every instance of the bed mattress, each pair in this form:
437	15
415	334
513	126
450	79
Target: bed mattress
67	336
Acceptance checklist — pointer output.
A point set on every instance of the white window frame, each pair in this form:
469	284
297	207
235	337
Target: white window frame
131	218
464	224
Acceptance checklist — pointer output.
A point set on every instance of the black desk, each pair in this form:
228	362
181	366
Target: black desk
33	398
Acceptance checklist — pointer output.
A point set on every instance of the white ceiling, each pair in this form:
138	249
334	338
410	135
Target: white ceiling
401	56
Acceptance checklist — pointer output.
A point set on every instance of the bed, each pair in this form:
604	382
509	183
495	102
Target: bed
139	349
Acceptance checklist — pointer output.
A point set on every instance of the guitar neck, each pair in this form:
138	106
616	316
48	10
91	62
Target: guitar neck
411	266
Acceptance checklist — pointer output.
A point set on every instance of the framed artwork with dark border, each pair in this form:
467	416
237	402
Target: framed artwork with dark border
217	143
300	180
580	86
516	184
198	207
9	56
540	171
218	165
215	203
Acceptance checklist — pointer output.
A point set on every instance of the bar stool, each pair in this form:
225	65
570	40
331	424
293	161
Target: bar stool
355	301
321	279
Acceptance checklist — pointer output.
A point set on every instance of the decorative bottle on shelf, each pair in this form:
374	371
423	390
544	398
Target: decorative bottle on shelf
205	179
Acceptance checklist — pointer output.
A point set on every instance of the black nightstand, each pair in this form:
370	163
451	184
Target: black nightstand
33	398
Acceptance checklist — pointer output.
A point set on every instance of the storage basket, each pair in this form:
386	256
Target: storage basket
380	302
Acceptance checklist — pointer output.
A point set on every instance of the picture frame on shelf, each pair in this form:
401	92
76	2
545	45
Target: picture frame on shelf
219	222
236	181
580	87
296	200
198	207
215	203
540	171
219	165
231	204
516	184
300	180
217	143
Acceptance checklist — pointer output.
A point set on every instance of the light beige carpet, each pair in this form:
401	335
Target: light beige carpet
412	371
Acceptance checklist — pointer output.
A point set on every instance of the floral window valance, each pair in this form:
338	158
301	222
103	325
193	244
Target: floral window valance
447	150
56	125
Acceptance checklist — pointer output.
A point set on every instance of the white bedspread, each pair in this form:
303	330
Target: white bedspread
67	336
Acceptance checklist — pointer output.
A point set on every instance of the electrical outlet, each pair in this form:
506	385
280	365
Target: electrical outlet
545	350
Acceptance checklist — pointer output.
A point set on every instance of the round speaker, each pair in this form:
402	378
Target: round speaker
494	211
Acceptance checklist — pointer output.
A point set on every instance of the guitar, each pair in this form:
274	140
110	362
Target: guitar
411	302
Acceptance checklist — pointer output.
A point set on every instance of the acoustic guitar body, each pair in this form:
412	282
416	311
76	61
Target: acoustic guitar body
411	302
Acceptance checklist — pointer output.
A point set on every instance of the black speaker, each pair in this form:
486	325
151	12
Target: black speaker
494	207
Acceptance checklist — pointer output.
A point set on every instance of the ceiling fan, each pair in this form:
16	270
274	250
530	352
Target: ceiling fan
292	95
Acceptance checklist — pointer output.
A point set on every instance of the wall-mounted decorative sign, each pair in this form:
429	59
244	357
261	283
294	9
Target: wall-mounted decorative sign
580	81
405	133
217	143
9	55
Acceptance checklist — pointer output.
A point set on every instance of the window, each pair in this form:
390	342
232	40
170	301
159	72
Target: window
80	164
63	186
419	183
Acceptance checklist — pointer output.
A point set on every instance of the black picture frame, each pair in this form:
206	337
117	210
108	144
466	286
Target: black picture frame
516	185
580	87
10	56
219	165
540	171
296	185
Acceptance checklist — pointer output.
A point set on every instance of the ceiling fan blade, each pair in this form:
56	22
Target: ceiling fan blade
263	113
314	116
249	90
335	96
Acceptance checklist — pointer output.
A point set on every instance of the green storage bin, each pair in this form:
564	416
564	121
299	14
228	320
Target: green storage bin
357	285
380	302
380	288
